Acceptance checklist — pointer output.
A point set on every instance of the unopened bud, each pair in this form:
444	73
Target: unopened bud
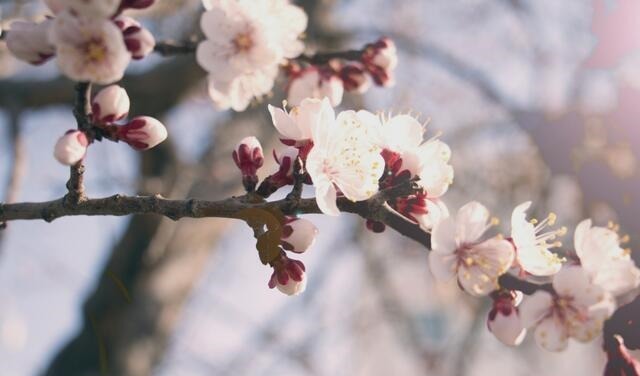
298	235
71	148
249	158
29	41
380	60
354	78
142	133
110	104
375	226
288	276
139	41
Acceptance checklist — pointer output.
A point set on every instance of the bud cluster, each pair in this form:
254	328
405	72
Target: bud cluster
110	106
298	235
376	63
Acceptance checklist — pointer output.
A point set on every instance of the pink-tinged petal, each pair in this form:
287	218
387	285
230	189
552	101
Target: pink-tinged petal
402	132
507	328
573	281
442	266
483	264
618	276
326	197
471	222
436	212
538	261
443	236
535	308
582	229
436	177
285	125
551	334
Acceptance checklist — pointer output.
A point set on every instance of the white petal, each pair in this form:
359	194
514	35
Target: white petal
471	222
443	236
285	125
443	266
326	197
535	307
580	234
402	132
507	328
436	212
485	263
538	261
551	335
618	276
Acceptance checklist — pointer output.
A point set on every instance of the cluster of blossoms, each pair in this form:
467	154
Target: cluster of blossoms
110	107
376	62
582	289
90	39
352	155
246	41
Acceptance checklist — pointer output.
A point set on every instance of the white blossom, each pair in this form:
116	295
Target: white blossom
429	160
343	158
89	49
245	42
607	264
577	310
532	244
458	251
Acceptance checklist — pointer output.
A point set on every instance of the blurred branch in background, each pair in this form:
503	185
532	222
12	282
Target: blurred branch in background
18	162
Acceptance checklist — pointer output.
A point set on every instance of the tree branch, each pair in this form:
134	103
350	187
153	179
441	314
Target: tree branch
81	111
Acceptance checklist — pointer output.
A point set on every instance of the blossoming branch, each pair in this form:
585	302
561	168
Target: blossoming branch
378	166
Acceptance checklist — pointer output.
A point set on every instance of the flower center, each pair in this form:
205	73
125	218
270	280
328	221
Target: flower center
242	42
95	50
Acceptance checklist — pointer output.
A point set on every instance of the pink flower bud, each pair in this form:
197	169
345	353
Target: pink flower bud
139	41
298	235
249	158
380	60
136	4
313	83
142	133
29	41
71	148
504	320
110	105
288	276
354	78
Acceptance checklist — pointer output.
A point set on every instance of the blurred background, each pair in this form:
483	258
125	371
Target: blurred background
537	98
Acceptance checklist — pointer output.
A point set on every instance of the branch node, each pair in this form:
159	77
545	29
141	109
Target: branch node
48	215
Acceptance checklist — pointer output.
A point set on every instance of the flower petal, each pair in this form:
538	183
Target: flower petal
535	307
551	334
